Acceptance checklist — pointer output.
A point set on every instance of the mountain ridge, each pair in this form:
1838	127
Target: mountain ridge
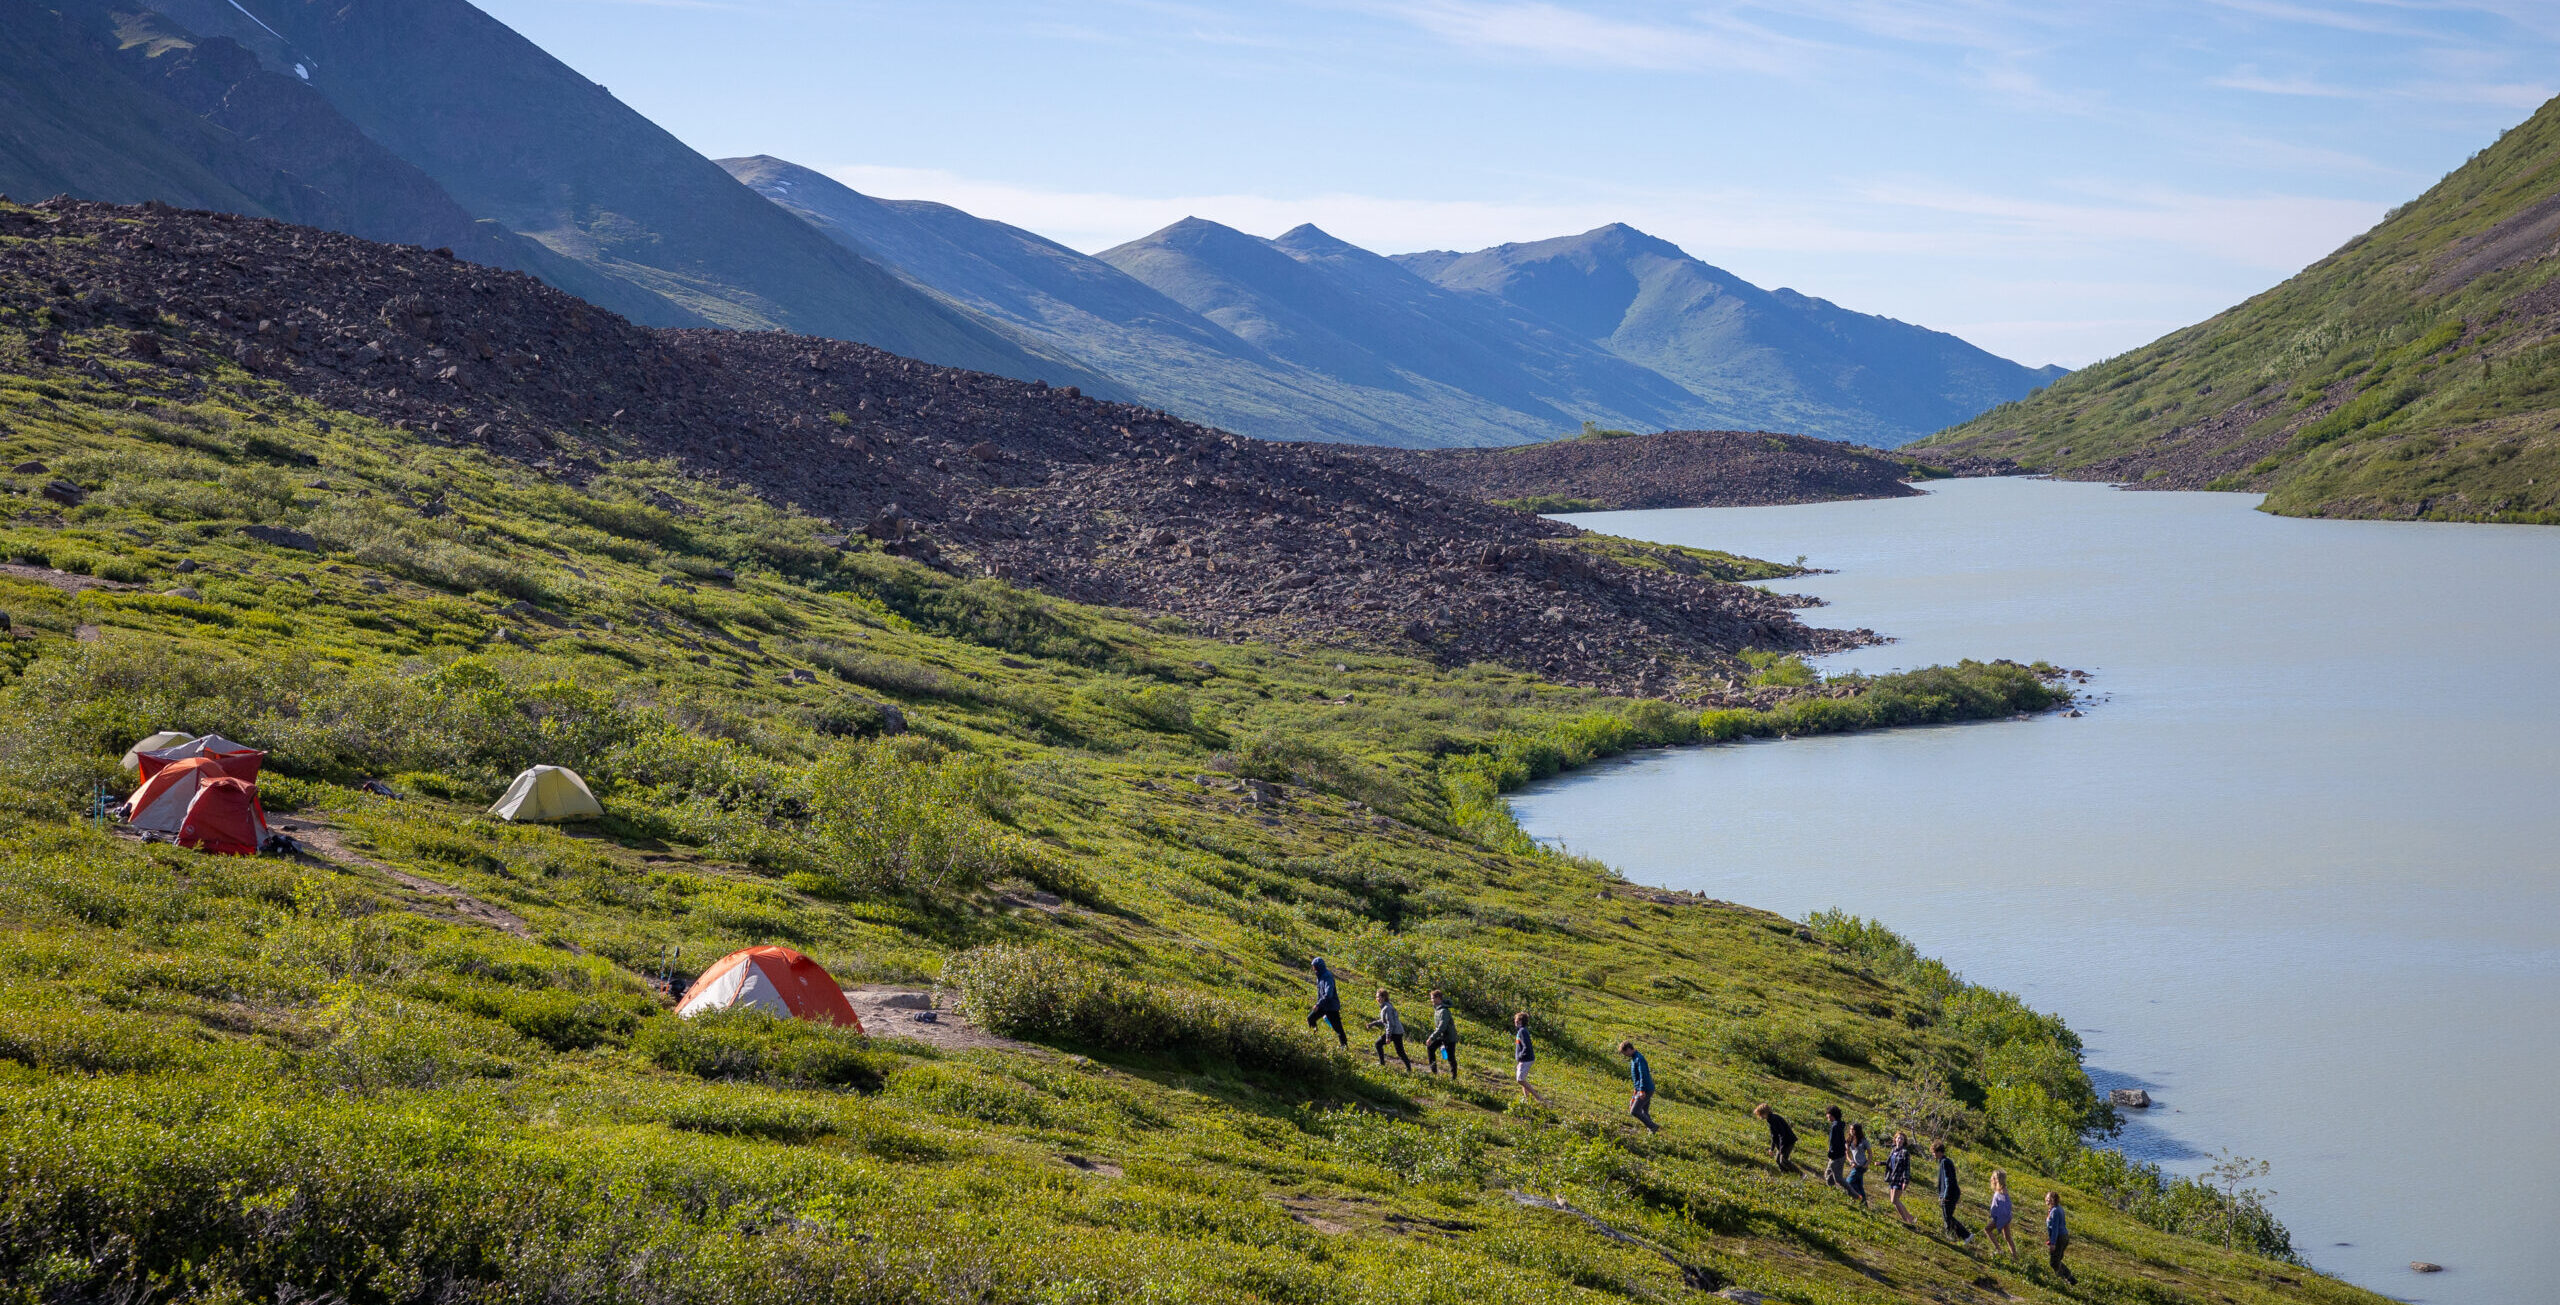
2408	374
1766	359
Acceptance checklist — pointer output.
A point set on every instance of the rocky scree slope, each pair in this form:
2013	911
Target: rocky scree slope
1096	501
1672	469
2411	374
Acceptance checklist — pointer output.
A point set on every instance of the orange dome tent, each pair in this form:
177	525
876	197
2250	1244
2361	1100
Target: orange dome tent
775	979
193	800
224	817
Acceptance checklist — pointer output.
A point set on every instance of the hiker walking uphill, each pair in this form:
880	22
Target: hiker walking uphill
1856	1183
1835	1148
1997	1226
1897	1176
1524	1053
2057	1236
1328	1002
1782	1137
1642	1072
1444	1035
1949	1193
1390	1027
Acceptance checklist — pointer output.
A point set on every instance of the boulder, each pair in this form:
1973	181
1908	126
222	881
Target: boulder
2130	1098
282	537
2424	1266
64	493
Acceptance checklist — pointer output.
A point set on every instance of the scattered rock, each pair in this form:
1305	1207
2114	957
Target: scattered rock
64	493
2426	1266
282	537
188	592
186	566
30	468
1106	503
2130	1098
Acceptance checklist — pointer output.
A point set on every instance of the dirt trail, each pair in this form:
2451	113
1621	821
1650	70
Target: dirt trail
325	843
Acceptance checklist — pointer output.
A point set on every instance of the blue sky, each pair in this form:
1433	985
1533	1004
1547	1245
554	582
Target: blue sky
2056	182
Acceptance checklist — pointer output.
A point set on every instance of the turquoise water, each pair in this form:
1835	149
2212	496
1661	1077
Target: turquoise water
2297	870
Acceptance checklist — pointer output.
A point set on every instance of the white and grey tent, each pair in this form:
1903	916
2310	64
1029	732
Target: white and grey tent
546	793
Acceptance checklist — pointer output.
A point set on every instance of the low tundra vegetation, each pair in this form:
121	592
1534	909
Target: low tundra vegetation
431	1060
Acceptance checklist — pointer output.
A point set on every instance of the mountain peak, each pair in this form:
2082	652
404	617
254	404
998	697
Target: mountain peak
1308	238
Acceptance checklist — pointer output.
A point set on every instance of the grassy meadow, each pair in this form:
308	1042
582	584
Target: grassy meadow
426	1062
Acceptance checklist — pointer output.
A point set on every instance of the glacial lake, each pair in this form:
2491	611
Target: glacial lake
2296	871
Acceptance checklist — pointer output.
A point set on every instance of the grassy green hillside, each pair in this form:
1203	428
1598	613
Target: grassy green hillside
425	1063
2411	374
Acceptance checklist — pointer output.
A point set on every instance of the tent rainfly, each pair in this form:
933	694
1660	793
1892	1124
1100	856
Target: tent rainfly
547	793
224	817
194	801
163	739
775	979
237	760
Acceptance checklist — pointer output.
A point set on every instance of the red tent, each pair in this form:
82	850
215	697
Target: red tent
239	761
224	817
776	979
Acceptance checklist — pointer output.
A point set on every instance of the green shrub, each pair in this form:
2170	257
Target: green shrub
1043	996
1775	1046
755	1047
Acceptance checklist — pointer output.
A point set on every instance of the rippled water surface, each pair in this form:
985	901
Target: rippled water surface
2297	871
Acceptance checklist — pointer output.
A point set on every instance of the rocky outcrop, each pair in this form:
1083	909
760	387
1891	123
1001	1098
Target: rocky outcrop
1673	469
1102	502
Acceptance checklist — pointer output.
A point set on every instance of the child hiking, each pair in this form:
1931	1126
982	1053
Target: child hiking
1390	1027
1897	1175
1642	1073
2057	1236
1856	1184
1444	1035
1782	1137
1328	1002
1997	1226
1949	1192
1524	1053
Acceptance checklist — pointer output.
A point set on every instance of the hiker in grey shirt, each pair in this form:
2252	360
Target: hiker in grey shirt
1444	1035
1390	1027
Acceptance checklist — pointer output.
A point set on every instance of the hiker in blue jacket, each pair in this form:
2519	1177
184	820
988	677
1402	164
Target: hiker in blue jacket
1328	1003
1948	1194
1642	1073
1524	1053
2057	1236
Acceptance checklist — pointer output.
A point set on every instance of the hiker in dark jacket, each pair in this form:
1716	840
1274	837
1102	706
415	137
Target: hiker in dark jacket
1444	1035
1949	1193
1328	1003
1390	1027
1524	1053
2057	1236
1835	1144
1782	1137
1642	1073
1897	1176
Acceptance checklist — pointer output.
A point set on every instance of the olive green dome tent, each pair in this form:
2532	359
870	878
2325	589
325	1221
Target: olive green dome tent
547	793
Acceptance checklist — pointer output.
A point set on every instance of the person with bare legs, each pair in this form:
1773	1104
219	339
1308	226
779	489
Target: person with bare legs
1897	1175
1524	1053
1997	1226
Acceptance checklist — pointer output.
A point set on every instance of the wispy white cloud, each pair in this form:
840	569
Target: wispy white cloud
2246	77
1557	33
